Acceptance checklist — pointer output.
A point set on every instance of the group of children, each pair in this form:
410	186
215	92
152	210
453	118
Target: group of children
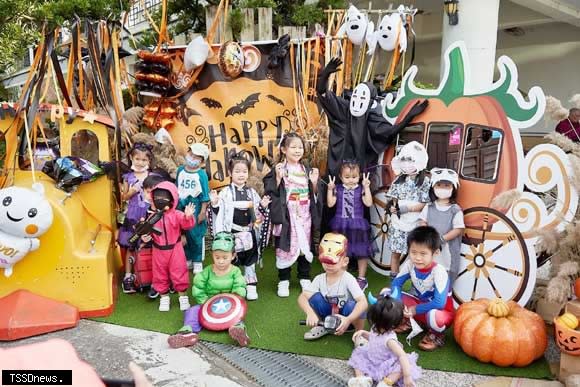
426	225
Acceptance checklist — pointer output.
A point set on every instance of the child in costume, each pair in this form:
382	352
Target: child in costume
169	266
429	301
238	209
350	198
220	277
335	292
140	159
383	358
407	195
445	215
295	211
193	187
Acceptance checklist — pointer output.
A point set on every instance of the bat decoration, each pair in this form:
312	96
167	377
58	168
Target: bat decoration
184	113
211	103
244	105
275	99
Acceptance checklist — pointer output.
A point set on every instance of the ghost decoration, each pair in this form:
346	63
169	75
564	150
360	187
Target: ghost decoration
25	214
390	33
196	53
412	158
357	27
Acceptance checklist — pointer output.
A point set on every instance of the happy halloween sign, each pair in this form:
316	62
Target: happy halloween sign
248	114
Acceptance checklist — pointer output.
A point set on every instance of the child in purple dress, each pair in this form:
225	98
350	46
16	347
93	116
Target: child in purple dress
350	197
383	359
140	159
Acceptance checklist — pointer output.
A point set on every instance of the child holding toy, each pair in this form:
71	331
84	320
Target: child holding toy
193	187
140	160
169	266
335	292
383	358
220	277
445	215
350	198
430	301
408	195
295	211
238	209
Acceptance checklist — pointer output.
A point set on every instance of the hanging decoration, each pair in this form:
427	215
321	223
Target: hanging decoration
231	59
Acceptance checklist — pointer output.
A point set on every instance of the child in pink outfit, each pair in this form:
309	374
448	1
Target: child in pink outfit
169	264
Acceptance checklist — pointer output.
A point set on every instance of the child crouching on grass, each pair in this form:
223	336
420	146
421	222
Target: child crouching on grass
335	292
220	277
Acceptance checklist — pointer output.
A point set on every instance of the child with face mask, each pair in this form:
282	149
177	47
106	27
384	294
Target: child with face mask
140	160
193	187
408	194
446	217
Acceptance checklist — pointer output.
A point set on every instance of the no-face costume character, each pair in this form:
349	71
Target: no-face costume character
358	129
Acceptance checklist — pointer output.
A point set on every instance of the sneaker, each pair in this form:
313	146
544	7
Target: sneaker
197	267
362	283
251	293
360	381
182	339
432	340
152	294
129	284
305	284
404	327
315	333
238	333
184	303
164	304
189	265
283	288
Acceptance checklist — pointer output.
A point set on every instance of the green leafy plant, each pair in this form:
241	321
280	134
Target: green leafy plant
236	22
307	15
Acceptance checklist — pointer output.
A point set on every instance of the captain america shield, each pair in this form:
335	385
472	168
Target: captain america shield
222	311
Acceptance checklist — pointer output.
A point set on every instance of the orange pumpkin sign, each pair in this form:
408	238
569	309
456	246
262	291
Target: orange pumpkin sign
516	339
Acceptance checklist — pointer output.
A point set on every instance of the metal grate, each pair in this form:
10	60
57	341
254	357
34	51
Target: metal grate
275	369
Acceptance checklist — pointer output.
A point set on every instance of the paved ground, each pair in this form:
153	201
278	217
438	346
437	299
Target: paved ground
110	348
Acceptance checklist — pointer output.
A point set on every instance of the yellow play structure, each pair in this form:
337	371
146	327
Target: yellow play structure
77	259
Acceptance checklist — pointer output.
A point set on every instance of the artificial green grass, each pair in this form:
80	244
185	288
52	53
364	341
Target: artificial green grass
272	324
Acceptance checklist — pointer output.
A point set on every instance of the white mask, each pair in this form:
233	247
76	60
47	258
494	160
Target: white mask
443	193
360	100
408	167
139	170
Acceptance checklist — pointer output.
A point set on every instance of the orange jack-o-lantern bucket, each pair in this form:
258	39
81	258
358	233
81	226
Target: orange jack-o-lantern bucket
567	339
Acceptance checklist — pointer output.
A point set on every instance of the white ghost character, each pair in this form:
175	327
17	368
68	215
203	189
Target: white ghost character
357	27
390	27
196	53
25	214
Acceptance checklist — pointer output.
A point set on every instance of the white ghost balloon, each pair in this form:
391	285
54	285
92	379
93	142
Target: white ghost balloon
360	100
25	214
196	53
356	27
391	27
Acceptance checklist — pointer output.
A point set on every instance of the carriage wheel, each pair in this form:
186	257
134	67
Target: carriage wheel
494	258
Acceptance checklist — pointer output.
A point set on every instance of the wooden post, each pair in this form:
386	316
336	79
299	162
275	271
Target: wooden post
210	13
264	23
294	32
247	34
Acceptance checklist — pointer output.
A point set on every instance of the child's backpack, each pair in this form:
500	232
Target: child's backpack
143	268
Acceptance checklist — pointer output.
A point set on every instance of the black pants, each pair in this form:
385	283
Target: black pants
303	270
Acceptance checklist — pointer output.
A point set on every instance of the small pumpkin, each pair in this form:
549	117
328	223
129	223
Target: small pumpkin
569	320
567	339
484	331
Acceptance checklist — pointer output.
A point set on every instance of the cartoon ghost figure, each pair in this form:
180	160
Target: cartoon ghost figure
25	214
357	27
390	33
412	158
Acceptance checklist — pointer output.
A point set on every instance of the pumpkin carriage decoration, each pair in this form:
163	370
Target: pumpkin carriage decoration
477	133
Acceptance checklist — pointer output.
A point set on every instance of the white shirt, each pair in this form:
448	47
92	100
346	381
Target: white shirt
188	184
344	289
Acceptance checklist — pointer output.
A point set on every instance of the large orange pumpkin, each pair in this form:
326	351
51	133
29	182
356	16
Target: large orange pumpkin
514	340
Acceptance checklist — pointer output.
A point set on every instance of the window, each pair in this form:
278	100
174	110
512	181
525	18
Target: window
85	144
136	14
410	133
481	155
444	144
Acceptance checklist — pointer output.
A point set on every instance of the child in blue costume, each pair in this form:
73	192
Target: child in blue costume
193	187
